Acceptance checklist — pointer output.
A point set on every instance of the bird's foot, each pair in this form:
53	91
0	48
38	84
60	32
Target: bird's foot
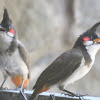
70	93
74	95
5	88
81	96
52	97
22	93
66	94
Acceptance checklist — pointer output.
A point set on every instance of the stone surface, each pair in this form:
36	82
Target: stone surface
48	28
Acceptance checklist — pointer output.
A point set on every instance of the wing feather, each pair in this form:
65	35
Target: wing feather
61	68
24	54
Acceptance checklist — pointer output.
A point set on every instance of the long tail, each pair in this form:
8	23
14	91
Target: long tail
34	95
37	91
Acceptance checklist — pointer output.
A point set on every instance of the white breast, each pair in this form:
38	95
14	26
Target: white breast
14	64
5	41
77	74
92	50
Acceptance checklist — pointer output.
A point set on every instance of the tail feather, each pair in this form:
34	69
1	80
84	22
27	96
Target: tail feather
34	95
37	91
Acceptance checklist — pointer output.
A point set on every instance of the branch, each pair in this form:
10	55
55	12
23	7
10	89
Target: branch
15	95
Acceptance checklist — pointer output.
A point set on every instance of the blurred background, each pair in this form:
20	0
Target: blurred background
47	28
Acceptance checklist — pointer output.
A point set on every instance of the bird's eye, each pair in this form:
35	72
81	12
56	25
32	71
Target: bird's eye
11	32
86	38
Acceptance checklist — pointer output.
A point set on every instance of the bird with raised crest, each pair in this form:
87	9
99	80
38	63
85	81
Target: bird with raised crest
14	58
70	66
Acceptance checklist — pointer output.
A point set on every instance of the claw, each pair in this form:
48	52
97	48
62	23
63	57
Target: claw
72	94
52	97
65	94
23	94
80	97
22	91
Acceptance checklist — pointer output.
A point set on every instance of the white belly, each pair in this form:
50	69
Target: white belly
77	74
13	64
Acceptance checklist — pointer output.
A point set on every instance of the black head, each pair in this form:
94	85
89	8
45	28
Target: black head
6	24
88	38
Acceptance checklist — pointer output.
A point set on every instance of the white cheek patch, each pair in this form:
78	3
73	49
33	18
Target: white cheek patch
87	43
10	34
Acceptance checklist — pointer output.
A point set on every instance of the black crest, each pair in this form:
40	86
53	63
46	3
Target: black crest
91	33
6	22
93	29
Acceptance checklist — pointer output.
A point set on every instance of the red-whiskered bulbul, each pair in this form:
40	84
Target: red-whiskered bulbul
70	66
14	58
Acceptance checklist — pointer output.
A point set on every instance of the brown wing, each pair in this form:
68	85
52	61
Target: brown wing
24	54
61	68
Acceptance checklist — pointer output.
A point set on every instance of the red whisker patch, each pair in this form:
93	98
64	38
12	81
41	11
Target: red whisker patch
12	31
86	38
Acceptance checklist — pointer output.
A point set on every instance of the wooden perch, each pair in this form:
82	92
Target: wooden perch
15	95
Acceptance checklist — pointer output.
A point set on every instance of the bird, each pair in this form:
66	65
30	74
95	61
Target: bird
14	57
71	65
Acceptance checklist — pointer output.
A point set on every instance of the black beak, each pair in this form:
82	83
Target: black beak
93	29
2	29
